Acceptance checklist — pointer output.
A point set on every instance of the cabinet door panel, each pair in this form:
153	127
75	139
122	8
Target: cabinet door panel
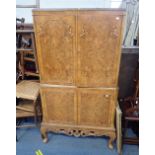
59	105
96	107
99	43
55	38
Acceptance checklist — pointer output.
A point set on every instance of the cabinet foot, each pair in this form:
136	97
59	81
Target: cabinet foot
111	140
44	135
45	140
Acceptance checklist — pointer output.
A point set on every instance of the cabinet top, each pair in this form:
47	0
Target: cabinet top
47	11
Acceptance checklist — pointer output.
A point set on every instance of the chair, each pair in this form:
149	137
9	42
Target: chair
131	115
27	94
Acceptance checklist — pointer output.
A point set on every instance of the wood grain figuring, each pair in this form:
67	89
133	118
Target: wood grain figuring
59	105
95	106
98	39
56	48
79	56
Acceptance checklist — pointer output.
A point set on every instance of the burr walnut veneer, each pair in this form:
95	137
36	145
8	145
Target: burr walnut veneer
79	56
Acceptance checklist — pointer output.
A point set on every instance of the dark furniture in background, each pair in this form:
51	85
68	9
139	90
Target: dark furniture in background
26	49
129	59
129	94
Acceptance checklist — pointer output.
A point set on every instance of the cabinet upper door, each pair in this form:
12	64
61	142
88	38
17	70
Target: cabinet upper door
99	48
55	39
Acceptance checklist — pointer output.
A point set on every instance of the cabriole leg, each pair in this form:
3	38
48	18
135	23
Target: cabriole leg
44	135
111	140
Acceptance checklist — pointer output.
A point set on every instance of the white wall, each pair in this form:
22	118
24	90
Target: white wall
71	3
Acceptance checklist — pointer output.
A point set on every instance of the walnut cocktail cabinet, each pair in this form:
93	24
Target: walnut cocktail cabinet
79	57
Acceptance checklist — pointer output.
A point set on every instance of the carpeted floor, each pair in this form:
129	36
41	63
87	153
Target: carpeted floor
30	141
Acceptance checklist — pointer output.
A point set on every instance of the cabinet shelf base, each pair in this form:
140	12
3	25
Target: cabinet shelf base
78	131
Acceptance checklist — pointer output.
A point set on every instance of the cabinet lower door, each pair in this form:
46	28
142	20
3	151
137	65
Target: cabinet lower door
96	107
59	105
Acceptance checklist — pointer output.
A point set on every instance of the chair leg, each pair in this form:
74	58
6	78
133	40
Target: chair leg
35	113
125	128
17	124
126	139
16	139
